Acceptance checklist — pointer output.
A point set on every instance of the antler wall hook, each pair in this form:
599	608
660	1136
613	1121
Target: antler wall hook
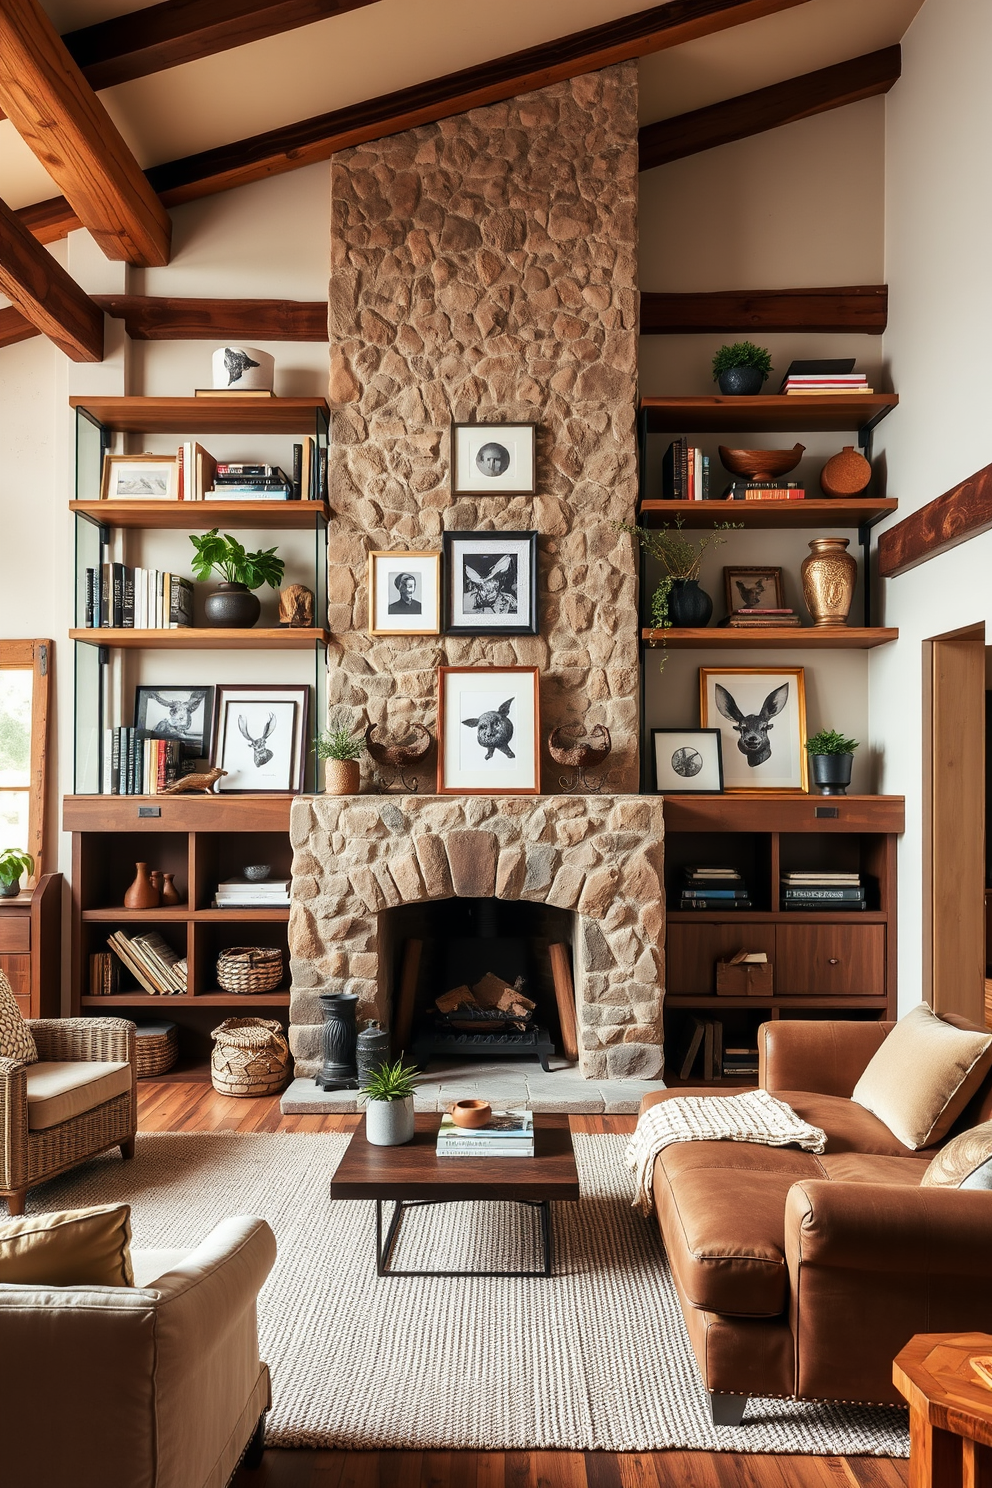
398	758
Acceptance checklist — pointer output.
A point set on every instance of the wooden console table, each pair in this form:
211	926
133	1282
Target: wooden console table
950	1411
31	947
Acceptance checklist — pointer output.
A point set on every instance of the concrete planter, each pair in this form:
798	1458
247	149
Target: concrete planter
389	1123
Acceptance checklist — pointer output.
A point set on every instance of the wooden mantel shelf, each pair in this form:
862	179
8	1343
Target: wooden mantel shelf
185	813
190	638
779	638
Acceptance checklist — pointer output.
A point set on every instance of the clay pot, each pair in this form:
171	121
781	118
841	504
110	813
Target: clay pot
471	1113
231	606
142	894
846	474
157	882
738	380
342	777
170	894
829	575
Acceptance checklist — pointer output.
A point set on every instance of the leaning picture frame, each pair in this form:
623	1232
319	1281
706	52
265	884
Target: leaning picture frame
490	583
488	731
494	459
260	737
183	713
687	761
752	588
139	478
404	593
761	715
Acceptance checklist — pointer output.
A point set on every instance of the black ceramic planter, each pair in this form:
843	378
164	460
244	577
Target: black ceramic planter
688	605
231	607
740	380
832	773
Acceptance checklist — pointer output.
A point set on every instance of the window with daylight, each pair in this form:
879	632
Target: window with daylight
25	668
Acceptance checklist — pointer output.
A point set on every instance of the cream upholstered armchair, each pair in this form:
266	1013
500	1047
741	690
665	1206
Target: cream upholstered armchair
77	1100
158	1385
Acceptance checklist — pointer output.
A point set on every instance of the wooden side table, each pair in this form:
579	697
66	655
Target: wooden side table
950	1410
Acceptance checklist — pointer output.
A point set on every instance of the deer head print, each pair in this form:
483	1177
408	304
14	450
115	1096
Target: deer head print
258	749
494	730
180	710
753	727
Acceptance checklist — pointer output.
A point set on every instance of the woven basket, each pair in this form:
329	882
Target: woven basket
158	1049
251	1057
247	969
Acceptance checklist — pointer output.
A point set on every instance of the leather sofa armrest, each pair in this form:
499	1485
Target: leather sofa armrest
65	1039
890	1229
827	1058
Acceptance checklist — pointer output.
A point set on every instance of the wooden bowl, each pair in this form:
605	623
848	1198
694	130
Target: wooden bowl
471	1113
760	465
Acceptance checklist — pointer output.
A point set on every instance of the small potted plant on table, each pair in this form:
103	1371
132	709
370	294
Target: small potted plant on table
389	1104
741	368
832	758
233	604
13	863
341	750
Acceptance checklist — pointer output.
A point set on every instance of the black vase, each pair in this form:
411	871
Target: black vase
338	1040
832	773
688	606
232	607
739	380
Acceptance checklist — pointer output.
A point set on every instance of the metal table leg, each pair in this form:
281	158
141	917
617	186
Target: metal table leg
384	1244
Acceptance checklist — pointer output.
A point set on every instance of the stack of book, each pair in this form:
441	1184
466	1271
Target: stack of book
134	764
125	598
825	384
508	1134
241	482
758	617
706	1035
820	890
714	888
105	974
740	1062
766	490
152	962
685	473
239	893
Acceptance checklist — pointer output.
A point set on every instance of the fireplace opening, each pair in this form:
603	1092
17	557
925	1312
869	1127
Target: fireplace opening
475	979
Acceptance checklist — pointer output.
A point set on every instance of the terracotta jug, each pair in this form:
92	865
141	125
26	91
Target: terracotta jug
846	474
829	575
170	894
142	894
156	878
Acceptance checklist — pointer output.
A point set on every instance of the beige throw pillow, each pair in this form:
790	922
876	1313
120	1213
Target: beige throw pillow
966	1162
923	1076
77	1248
16	1040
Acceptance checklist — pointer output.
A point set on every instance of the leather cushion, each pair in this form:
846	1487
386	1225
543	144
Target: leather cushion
58	1091
863	1167
75	1248
849	1127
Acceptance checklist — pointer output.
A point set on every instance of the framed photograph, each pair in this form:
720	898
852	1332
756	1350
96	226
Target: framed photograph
687	761
490	583
488	731
139	478
753	589
494	459
260	737
761	715
184	713
404	594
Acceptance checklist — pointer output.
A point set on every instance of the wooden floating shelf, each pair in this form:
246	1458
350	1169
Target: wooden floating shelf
232	415
191	638
202	515
786	637
766	514
183	999
764	414
782	811
179	915
786	1000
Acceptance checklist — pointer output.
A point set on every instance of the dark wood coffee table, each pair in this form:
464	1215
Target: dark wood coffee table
413	1174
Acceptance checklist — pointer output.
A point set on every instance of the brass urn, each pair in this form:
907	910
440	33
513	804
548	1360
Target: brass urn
829	576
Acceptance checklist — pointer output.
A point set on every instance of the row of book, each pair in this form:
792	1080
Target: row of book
507	1134
758	617
765	490
823	890
240	893
135	764
151	961
717	1060
124	598
713	888
685	473
202	478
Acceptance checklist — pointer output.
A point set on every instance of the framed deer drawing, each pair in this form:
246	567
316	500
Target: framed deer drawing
761	715
260	737
490	583
183	713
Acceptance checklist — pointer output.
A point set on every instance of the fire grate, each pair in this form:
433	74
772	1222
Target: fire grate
447	1043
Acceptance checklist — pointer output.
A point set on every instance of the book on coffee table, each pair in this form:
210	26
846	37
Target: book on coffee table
506	1134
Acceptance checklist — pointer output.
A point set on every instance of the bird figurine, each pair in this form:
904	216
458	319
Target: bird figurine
237	364
190	785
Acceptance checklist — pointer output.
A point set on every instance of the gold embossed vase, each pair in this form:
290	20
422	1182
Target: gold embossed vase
829	576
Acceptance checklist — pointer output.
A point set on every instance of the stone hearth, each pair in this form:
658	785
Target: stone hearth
598	857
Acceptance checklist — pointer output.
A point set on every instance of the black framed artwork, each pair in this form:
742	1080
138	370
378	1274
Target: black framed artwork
490	583
183	713
687	761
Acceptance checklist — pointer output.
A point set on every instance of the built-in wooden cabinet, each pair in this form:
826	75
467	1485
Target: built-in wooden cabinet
31	947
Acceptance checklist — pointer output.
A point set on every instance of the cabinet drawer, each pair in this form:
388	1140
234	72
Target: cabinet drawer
15	932
830	960
17	970
694	950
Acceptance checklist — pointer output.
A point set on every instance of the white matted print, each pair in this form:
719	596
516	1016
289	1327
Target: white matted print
491	583
687	760
404	593
260	737
139	478
488	731
493	459
761	715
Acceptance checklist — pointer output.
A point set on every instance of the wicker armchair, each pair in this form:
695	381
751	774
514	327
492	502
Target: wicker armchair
29	1156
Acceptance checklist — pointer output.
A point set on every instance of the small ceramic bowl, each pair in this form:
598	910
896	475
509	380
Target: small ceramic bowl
471	1113
257	872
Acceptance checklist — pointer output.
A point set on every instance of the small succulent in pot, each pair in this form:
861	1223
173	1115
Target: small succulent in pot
389	1104
341	750
233	604
13	863
832	757
741	368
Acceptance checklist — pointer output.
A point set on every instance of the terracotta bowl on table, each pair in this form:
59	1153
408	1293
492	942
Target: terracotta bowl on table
471	1113
758	464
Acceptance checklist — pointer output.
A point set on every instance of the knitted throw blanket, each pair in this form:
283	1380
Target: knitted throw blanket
754	1116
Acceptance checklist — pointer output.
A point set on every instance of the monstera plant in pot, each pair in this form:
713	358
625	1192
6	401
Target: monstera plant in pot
389	1104
13	863
233	605
741	368
832	758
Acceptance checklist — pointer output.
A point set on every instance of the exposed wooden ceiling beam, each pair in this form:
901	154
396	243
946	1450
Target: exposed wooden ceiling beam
49	220
768	108
14	327
43	292
147	318
58	115
856	308
961	513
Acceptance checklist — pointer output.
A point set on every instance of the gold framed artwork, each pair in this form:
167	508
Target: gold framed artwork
761	715
753	589
404	594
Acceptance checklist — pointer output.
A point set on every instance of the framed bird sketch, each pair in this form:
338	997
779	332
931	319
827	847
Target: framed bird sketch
687	761
761	715
260	737
404	594
488	731
493	460
490	583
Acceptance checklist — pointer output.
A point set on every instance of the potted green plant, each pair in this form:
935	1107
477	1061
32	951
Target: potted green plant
340	749
832	757
13	863
233	603
741	368
389	1104
678	599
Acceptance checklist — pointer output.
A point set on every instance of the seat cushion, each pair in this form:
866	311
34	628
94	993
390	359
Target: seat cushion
863	1167
59	1091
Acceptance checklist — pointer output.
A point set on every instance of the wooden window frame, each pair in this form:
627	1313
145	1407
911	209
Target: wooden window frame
18	656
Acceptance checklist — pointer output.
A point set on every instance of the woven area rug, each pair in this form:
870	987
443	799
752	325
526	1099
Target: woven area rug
596	1358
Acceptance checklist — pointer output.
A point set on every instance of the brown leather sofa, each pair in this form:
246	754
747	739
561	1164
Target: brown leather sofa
803	1276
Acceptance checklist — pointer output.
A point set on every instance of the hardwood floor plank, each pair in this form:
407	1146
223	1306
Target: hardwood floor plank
491	1470
602	1469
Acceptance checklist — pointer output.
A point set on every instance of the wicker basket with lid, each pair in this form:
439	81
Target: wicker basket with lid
251	1057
